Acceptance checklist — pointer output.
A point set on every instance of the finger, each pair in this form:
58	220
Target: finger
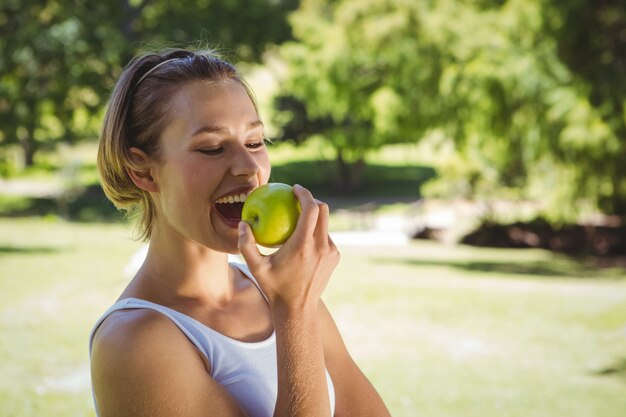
323	219
247	246
331	242
310	211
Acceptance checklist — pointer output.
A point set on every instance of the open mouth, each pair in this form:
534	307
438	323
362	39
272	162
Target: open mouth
229	207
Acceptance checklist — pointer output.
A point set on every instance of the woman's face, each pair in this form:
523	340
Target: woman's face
212	151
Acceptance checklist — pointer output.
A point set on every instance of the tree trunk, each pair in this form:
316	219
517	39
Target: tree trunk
28	141
618	198
28	150
350	174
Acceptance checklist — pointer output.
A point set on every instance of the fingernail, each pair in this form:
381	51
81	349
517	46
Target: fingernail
242	228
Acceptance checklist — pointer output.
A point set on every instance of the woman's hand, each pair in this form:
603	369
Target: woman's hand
293	279
295	276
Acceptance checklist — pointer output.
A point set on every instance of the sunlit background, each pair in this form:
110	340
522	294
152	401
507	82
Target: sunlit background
473	153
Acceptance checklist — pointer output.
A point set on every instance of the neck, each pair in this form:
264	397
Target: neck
176	270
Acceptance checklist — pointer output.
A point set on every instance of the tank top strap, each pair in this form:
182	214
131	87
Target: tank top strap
246	272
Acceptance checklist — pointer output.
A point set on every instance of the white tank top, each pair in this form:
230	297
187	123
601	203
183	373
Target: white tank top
248	371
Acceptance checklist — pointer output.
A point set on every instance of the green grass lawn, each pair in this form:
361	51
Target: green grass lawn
55	279
457	331
440	330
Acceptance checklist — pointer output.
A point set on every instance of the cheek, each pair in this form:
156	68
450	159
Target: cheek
186	201
265	168
183	182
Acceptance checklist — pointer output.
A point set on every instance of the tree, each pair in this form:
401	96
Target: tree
591	43
60	57
49	87
536	111
357	73
530	93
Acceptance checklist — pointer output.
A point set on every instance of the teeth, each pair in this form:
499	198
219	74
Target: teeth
236	198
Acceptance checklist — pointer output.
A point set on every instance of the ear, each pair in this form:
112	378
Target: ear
141	172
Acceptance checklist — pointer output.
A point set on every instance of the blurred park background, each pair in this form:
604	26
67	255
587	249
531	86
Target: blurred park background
473	153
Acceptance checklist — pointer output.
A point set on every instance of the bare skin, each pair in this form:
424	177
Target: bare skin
142	364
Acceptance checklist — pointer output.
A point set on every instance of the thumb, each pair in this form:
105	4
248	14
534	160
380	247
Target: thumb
247	245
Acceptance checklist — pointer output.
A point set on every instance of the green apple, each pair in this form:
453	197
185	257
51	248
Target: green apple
272	211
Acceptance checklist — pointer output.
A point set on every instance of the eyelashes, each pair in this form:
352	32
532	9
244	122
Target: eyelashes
219	150
211	152
256	145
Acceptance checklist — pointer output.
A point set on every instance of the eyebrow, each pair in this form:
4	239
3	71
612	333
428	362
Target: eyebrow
220	129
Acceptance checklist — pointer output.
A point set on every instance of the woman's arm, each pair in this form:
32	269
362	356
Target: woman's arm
302	387
354	394
293	279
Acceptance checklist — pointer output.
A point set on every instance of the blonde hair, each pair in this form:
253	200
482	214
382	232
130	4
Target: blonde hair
137	113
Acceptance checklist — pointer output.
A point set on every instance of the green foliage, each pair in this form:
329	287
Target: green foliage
60	58
51	82
525	120
591	39
355	91
242	28
531	93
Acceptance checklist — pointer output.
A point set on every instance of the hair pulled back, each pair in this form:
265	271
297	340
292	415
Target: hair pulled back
137	113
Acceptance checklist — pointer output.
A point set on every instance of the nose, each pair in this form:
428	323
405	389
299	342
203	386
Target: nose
244	164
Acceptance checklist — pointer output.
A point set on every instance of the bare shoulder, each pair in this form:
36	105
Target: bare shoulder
126	355
126	336
125	332
143	365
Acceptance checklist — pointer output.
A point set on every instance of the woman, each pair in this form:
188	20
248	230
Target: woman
192	334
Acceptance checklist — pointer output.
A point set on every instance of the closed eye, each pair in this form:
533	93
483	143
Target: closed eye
256	145
211	151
